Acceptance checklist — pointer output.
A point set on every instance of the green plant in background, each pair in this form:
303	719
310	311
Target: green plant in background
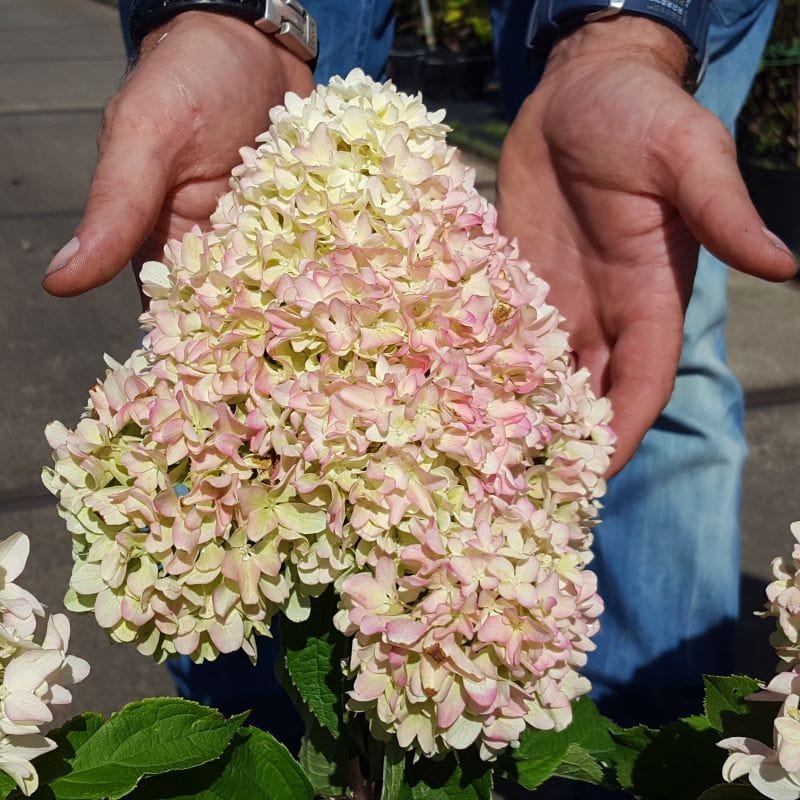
461	25
769	129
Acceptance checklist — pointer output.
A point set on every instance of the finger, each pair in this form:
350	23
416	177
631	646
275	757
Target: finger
701	178
642	371
125	197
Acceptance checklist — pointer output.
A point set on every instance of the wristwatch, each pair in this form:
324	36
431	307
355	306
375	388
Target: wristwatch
287	20
552	19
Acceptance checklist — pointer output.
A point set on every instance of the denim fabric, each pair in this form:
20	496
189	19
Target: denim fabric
667	551
355	34
668	548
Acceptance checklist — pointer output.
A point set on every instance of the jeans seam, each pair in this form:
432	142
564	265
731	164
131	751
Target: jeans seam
364	31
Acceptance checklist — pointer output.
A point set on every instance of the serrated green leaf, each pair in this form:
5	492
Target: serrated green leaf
678	762
462	778
255	766
540	752
731	791
69	738
724	697
631	743
324	760
578	764
148	737
313	651
394	769
730	714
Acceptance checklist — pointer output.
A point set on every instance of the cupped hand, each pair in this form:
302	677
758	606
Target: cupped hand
609	177
202	88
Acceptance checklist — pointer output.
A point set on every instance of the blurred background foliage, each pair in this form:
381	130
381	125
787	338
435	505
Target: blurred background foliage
459	25
769	127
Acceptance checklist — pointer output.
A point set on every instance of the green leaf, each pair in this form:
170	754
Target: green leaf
7	785
678	762
631	743
578	764
731	791
541	752
148	737
725	696
324	760
462	778
313	651
70	737
730	714
256	766
394	768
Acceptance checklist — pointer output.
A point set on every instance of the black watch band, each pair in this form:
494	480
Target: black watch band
290	23
690	19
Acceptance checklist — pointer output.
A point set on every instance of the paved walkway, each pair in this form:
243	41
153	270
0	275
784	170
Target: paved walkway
59	61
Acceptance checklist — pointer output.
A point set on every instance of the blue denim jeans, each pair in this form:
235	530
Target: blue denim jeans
668	548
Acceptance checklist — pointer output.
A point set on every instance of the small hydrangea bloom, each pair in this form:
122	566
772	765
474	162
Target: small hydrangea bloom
775	771
354	381
34	675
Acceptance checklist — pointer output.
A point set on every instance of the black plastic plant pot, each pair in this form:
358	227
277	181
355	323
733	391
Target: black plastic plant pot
454	76
406	67
776	195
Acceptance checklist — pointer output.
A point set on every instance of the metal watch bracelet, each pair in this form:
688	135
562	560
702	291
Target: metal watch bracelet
286	20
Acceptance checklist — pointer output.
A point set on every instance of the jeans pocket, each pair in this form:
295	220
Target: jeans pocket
728	12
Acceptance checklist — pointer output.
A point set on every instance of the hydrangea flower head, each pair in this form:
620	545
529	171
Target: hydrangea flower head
34	675
351	380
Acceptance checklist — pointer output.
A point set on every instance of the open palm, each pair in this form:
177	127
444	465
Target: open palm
170	138
610	176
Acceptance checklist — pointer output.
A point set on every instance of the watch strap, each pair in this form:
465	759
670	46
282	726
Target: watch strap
553	19
291	24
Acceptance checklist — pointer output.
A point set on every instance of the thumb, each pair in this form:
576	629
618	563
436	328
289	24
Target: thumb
703	181
124	201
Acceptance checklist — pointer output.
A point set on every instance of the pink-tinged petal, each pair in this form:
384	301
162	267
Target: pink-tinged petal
738	764
223	599
414	726
227	636
772	781
57	635
108	609
369	685
19	601
451	707
405	632
482	694
495	628
249	574
27	672
14	553
75	668
25	708
365	591
463	732
187	643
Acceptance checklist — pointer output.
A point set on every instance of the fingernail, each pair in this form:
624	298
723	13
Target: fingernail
61	258
779	243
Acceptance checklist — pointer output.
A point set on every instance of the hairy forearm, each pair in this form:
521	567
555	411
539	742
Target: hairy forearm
623	37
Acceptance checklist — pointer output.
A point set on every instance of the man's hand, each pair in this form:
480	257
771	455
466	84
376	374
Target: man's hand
610	176
202	89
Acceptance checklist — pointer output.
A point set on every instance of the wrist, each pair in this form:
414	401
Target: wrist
286	21
199	23
623	38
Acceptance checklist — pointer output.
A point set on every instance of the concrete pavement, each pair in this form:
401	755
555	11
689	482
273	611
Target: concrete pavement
59	61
